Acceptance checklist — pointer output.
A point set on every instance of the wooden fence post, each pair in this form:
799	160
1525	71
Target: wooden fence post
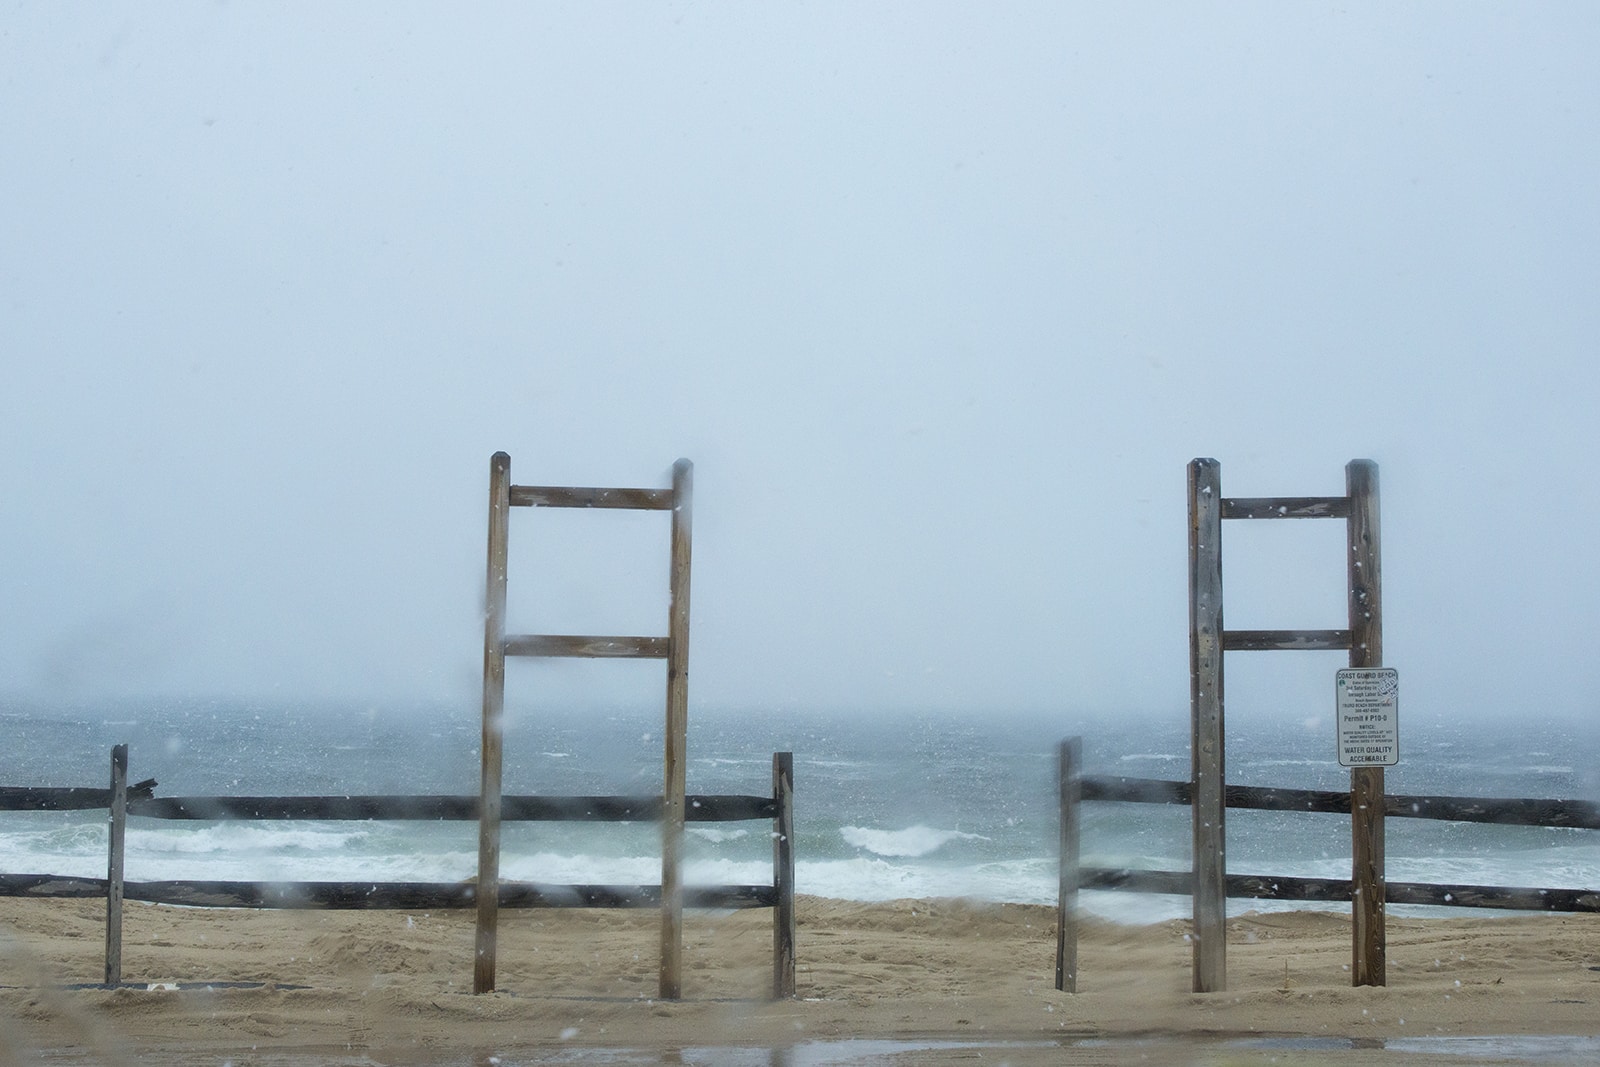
677	732
1369	948
783	919
1206	749
1071	783
118	821
494	698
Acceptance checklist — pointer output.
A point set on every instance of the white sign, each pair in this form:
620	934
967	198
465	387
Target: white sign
1368	714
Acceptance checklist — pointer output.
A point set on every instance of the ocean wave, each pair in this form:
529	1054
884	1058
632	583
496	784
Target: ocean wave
235	838
1027	881
716	835
911	842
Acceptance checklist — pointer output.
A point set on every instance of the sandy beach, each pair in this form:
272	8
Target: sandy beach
938	981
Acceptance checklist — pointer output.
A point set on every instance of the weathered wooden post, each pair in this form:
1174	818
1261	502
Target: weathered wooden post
783	918
118	822
1370	949
1206	742
677	733
494	697
1070	780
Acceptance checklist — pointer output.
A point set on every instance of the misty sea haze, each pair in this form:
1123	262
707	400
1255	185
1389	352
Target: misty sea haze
887	806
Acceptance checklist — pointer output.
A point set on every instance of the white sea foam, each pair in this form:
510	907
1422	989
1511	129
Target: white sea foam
576	869
875	878
247	838
718	835
913	841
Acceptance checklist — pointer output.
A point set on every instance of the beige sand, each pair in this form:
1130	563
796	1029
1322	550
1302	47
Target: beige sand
394	987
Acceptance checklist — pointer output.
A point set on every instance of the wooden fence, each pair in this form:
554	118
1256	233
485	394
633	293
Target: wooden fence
139	801
1077	788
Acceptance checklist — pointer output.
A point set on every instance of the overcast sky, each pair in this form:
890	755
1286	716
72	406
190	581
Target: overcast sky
939	298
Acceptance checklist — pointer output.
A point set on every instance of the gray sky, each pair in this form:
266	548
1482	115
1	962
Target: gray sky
940	299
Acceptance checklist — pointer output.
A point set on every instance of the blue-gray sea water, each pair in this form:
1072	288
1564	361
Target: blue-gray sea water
887	806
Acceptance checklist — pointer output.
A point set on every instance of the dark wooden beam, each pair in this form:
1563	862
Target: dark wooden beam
550	496
1285	640
721	808
1286	507
571	646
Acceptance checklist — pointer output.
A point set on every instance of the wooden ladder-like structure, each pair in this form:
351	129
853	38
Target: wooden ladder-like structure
1207	643
674	648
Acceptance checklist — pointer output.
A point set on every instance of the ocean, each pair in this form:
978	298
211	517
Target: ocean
887	805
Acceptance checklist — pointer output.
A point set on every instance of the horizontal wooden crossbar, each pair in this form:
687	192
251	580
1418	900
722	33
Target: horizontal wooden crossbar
1502	811
49	798
550	496
1285	640
719	808
385	895
571	646
1286	507
1334	890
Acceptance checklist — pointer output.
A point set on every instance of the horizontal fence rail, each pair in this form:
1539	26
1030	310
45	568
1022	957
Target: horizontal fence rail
731	808
704	808
139	801
1576	814
1338	890
377	896
48	798
1076	788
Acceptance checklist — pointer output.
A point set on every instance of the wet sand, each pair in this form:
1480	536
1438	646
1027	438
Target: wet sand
924	982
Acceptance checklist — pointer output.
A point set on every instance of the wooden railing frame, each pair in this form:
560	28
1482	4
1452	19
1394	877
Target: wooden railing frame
1077	788
123	802
673	647
1209	640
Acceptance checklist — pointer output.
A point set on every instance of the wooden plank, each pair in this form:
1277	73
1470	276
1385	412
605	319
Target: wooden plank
551	496
674	754
1365	565
352	808
1507	898
1577	814
356	808
116	843
1369	947
1069	779
1135	880
584	647
1339	890
1286	507
51	886
1285	640
1507	811
783	915
1208	762
494	695
1367	801
699	807
48	798
403	896
1238	886
1134	790
1510	811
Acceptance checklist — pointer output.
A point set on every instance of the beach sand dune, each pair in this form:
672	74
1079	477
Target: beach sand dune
927	981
